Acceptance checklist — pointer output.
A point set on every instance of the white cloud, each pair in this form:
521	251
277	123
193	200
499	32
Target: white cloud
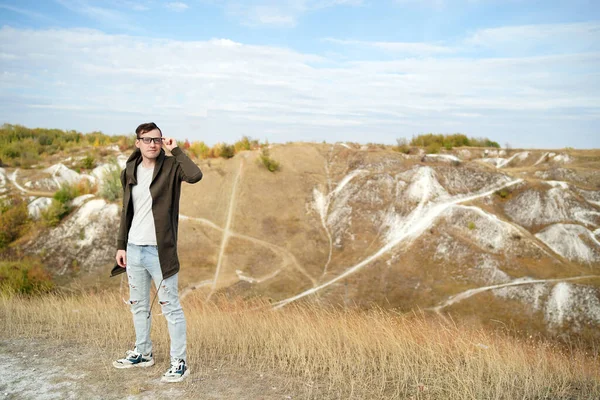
397	47
278	13
177	6
99	13
136	6
23	11
259	15
230	88
435	4
570	37
520	40
6	56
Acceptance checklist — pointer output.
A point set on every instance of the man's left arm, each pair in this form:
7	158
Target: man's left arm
189	171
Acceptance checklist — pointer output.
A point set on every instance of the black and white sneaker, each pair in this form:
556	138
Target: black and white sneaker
177	372
134	359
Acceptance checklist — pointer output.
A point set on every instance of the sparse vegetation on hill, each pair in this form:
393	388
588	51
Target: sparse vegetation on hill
22	146
266	160
403	145
88	162
26	277
61	201
324	353
202	151
14	219
246	143
434	142
52	215
223	150
111	187
66	193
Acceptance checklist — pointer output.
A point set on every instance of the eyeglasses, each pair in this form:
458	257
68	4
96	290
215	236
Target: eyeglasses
148	140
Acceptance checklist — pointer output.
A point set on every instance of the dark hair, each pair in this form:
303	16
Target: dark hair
147	127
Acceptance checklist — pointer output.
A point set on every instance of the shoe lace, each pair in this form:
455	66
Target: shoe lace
175	365
131	353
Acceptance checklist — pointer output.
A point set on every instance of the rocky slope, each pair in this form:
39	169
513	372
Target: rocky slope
479	233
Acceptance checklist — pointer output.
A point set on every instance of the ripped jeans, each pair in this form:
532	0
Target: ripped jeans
143	266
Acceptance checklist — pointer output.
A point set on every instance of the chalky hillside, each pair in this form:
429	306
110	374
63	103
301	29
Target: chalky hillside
481	240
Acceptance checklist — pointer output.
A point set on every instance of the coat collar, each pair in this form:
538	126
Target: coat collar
135	158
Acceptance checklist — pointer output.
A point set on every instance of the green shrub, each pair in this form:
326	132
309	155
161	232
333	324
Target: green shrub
88	162
246	143
503	193
200	150
57	210
484	142
223	150
12	150
14	220
403	146
426	140
433	148
267	161
111	188
125	143
85	186
471	225
21	146
451	141
45	140
66	193
26	276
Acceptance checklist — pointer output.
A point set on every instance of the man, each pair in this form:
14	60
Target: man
147	243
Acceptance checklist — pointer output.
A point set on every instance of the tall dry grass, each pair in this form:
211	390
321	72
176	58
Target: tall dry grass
326	353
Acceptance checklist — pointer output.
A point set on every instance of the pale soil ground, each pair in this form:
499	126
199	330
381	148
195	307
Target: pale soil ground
47	369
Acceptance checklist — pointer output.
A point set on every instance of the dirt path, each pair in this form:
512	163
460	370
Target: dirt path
13	179
422	217
226	232
518	282
286	256
48	369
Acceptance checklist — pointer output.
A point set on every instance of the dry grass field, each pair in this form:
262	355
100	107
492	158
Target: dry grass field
316	352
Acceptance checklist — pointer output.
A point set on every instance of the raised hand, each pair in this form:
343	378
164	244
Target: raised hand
169	143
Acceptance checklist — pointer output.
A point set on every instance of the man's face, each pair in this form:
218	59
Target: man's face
152	149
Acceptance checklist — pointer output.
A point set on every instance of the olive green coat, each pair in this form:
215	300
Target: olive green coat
165	190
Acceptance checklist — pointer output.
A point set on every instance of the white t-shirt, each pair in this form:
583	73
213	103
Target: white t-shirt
142	231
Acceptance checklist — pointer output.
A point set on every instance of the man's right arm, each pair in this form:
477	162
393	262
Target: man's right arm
189	171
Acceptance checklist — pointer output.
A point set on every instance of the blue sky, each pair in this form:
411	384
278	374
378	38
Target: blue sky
524	73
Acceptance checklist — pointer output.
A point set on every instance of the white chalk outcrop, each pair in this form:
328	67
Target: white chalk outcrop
494	158
60	174
3	179
489	232
591	196
445	158
573	242
572	306
85	240
38	205
534	207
